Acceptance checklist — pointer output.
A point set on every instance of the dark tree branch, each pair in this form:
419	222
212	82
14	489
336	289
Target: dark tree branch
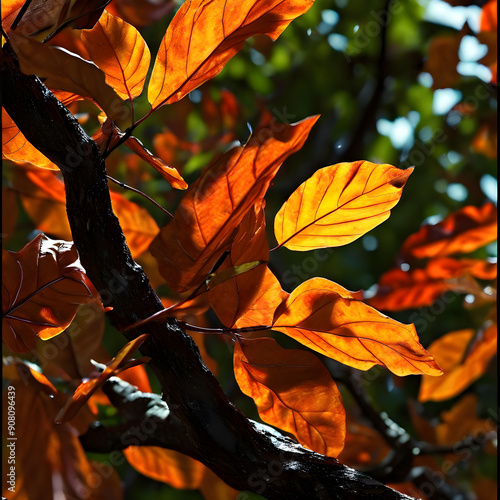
209	428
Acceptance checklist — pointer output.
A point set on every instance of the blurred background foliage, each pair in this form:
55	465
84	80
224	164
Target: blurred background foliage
387	92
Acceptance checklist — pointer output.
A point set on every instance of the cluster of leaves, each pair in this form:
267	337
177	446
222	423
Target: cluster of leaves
214	252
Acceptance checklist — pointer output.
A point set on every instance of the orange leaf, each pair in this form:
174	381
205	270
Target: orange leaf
205	34
167	466
328	319
462	231
121	52
239	295
79	76
42	286
338	204
442	61
87	388
488	20
450	351
17	369
293	391
205	223
15	146
58	453
399	290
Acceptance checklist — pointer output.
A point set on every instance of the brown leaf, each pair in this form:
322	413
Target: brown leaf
339	204
461	363
205	222
121	52
462	231
205	34
42	287
442	61
328	319
293	391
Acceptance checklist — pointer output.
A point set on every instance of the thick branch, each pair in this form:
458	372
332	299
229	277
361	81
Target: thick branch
246	456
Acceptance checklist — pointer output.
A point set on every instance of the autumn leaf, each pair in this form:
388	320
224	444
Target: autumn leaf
293	391
118	364
15	146
338	204
42	287
399	290
79	76
120	51
59	452
205	34
327	318
241	294
461	362
206	221
462	231
442	61
44	199
18	369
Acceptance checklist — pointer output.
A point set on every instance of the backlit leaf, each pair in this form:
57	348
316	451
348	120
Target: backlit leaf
462	231
205	34
293	391
42	287
338	204
328	319
79	76
442	61
15	146
88	387
206	221
399	290
461	363
121	52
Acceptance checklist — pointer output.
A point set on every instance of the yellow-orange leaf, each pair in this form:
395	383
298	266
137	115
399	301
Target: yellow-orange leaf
399	290
338	204
15	146
79	76
205	34
293	391
42	287
450	351
207	219
462	231
87	388
328	319
121	52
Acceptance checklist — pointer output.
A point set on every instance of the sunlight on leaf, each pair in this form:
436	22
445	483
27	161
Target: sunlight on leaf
338	204
293	391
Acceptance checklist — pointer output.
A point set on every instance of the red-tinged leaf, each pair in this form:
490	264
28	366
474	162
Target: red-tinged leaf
232	298
83	392
461	362
42	287
293	391
399	290
79	76
488	20
205	222
58	454
328	319
15	146
486	139
167	466
121	52
462	231
339	204
205	34
212	487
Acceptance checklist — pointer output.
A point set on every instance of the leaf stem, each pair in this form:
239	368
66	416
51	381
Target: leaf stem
126	186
